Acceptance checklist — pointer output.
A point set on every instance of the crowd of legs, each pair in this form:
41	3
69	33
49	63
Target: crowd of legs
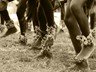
41	13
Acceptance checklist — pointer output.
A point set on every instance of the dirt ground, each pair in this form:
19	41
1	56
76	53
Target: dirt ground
15	57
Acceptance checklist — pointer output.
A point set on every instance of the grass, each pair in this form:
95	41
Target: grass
15	57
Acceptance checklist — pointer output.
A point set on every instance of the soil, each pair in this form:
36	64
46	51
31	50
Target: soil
15	57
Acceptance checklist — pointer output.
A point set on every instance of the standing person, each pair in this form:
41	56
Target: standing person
77	24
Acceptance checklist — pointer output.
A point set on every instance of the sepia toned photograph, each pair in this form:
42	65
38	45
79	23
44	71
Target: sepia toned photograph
47	35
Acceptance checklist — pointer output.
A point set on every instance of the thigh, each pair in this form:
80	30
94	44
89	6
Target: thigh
78	2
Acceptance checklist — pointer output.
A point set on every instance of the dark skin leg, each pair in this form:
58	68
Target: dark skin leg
90	4
20	14
42	20
5	15
9	24
31	15
32	12
42	26
92	20
48	9
38	17
73	29
93	16
78	12
1	23
62	10
2	20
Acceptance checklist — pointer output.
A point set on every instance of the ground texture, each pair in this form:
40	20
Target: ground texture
15	57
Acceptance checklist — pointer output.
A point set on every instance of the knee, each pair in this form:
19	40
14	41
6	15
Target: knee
68	21
74	7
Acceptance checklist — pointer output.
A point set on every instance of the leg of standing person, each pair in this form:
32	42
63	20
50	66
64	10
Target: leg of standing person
2	20
78	12
42	27
62	15
73	28
32	12
20	14
9	24
48	40
33	15
93	16
2	27
92	20
74	31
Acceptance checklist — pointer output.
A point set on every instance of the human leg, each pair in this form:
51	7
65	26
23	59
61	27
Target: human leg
9	24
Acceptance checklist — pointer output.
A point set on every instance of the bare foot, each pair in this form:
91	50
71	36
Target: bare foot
85	52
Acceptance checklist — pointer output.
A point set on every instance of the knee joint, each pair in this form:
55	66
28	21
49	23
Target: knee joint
74	7
68	22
